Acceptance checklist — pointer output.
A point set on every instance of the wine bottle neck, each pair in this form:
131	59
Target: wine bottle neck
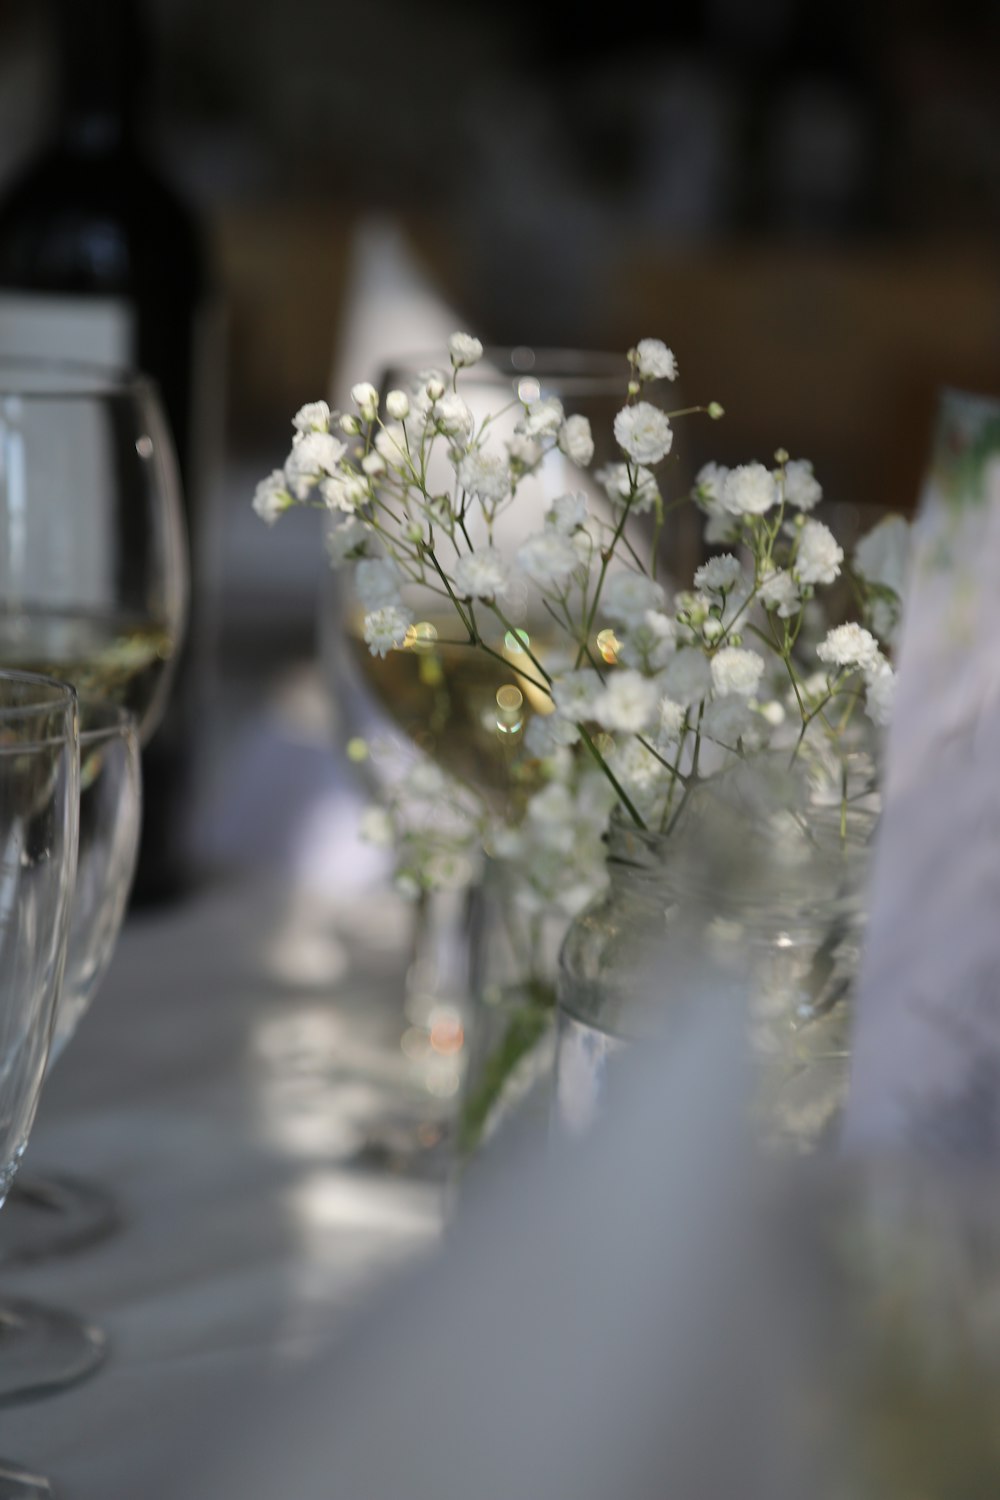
102	73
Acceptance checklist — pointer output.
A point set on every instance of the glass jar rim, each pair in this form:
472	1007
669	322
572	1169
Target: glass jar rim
576	371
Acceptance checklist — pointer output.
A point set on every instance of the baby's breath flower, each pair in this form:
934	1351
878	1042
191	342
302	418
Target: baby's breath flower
576	440
736	670
779	592
313	455
390	441
566	513
365	397
349	424
628	703
850	646
345	491
524	451
619	486
818	556
464	349
397	405
373	464
708	487
650	644
802	488
643	431
542	418
452	415
548	733
434	387
313	417
881	691
654	360
549	558
672	716
347	542
376	582
627	597
749	490
481	574
719	573
386	628
574	693
271	497
484	475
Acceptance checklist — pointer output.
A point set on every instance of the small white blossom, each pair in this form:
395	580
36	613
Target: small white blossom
687	678
802	488
524	451
643	431
627	597
672	716
548	733
365	397
376	582
542	418
818	556
349	424
346	542
779	592
433	387
484	475
618	486
345	491
549	559
373	464
452	415
464	349
313	417
386	628
574	693
850	646
390	441
881	691
628	703
566	513
654	360
749	490
773	713
719	573
313	455
397	405
736	670
271	497
481	574
651	643
576	440
708	487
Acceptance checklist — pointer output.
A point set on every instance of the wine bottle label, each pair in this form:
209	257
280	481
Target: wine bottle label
926	1066
46	325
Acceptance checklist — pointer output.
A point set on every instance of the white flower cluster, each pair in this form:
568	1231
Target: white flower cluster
644	692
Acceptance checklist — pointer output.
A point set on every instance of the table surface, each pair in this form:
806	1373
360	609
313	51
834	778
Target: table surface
240	1087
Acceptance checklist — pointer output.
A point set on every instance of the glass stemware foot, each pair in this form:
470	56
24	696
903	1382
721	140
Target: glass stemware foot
54	1213
44	1349
21	1484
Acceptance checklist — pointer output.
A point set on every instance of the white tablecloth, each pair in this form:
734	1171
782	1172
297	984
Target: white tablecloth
233	1086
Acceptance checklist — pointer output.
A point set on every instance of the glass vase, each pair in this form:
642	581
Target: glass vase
766	895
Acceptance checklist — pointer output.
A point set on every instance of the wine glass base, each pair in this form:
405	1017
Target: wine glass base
19	1484
43	1350
51	1215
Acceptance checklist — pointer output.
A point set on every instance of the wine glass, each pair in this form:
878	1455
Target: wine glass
50	1214
39	810
93	573
448	699
93	562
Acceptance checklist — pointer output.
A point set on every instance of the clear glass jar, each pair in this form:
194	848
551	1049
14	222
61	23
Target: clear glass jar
770	902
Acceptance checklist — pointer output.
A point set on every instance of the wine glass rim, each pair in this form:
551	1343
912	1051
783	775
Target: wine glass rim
113	719
572	368
54	694
34	378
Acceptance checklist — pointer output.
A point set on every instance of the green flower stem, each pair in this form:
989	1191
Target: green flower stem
525	645
620	791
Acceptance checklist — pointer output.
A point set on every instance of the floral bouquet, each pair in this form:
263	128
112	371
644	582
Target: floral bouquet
642	693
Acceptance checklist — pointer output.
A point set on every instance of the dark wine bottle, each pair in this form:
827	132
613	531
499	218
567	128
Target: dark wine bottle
101	260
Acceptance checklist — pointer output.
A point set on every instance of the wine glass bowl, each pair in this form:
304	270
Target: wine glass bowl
93	565
52	1214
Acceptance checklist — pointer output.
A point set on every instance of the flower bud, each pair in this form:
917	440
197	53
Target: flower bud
715	411
349	424
435	388
365	398
373	464
397	404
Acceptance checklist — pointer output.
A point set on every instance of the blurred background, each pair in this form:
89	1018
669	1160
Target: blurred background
802	200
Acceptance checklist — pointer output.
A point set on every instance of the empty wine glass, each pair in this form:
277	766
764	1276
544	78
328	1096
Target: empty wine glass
39	812
51	1214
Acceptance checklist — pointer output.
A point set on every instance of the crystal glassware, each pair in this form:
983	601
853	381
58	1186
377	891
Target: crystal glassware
93	564
39	820
50	1214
